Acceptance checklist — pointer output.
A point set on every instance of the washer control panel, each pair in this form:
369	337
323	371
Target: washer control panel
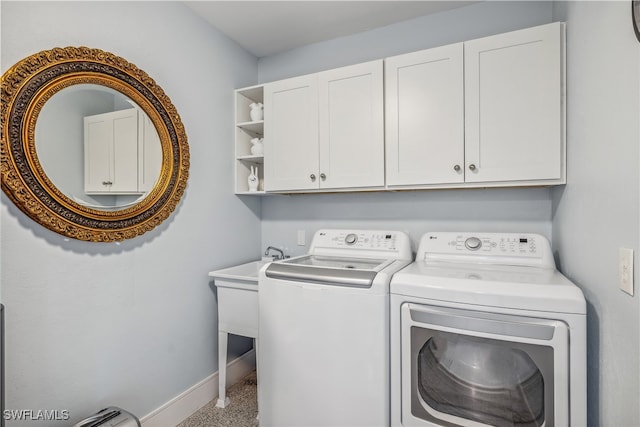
363	243
360	239
486	247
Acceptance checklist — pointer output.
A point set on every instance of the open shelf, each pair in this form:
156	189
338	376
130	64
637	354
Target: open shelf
246	130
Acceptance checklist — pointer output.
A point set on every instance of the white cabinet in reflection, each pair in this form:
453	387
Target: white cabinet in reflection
122	153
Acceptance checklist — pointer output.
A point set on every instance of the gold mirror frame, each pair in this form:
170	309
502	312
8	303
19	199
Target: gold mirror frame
27	86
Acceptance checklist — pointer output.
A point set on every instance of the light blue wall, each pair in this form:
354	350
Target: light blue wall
478	20
415	212
132	325
507	210
597	212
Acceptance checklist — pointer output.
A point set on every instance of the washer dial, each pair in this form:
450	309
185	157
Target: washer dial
351	238
473	243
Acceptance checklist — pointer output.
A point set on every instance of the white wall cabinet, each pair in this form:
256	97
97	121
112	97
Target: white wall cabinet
425	117
111	153
291	134
514	106
481	113
325	130
352	127
486	112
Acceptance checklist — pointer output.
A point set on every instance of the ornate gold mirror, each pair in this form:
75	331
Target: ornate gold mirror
92	148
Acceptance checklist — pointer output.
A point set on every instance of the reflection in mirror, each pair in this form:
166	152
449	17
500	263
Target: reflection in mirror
98	147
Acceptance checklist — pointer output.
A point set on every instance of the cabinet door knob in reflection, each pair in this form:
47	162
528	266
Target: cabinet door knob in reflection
313	177
107	183
472	167
456	168
323	176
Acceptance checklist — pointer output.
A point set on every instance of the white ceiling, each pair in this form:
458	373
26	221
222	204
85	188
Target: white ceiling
267	27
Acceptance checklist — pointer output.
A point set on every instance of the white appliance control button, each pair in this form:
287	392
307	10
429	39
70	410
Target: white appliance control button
350	239
473	243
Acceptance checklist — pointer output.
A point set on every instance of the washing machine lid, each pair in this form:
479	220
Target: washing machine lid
515	287
342	271
345	263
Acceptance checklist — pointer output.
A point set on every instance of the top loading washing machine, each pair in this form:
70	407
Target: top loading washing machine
323	351
486	332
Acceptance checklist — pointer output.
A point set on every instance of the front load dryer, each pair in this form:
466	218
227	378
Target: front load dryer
323	350
486	332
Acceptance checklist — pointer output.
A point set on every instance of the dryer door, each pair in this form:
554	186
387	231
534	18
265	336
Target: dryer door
470	368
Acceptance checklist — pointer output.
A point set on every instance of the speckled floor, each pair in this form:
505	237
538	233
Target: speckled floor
241	412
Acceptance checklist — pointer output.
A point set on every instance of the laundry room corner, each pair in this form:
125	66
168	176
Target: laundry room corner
597	212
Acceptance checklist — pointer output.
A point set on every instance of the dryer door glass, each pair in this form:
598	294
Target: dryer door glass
483	369
481	380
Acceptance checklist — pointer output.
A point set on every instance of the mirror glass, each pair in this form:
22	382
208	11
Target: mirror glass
98	147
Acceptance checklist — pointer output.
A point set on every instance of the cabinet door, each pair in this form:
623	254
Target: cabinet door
125	152
291	134
98	138
425	117
111	152
514	100
351	126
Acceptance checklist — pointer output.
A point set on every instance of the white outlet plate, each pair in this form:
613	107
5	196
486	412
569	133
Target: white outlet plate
301	238
625	270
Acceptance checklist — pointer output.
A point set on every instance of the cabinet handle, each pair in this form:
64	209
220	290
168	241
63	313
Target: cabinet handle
107	182
313	177
323	176
472	167
456	168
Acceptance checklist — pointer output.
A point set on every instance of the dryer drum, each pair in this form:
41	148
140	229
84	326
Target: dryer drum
478	381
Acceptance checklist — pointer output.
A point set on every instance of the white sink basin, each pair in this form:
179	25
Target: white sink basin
237	289
243	276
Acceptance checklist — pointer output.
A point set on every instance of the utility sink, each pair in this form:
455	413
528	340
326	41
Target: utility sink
237	289
238	298
243	276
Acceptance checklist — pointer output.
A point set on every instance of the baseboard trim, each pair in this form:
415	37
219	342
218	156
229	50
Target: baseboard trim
186	403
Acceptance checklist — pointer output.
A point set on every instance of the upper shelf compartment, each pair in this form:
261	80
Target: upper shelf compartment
244	98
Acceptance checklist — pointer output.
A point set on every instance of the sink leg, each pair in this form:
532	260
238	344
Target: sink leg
255	346
223	400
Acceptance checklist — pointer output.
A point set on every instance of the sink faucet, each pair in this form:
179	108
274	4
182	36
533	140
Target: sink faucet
275	257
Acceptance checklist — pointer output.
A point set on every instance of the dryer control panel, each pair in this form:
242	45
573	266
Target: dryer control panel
502	248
